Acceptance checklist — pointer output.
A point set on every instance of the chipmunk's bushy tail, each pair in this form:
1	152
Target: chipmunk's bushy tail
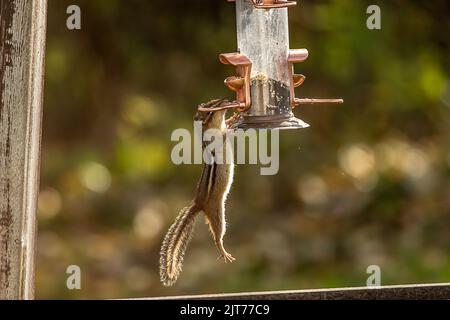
175	244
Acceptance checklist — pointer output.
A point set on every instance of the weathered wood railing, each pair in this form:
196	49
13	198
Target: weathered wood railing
438	291
22	47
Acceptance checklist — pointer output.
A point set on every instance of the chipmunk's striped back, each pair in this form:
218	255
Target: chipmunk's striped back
212	189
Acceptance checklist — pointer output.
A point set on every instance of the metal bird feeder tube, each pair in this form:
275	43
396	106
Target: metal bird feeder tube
263	36
265	79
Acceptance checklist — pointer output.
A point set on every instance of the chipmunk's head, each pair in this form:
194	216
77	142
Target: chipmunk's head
213	118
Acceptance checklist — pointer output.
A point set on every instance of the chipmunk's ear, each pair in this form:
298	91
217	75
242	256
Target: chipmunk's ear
203	114
198	116
213	105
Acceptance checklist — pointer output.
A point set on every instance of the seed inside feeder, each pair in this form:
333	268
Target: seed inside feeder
269	96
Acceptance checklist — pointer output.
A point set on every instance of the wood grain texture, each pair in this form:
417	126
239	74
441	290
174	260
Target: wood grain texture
438	291
22	50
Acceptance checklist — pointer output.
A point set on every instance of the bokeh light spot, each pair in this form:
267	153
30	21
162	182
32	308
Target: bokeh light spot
95	177
49	203
359	162
148	223
313	190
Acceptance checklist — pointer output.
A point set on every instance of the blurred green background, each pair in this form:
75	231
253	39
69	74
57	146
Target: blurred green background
367	184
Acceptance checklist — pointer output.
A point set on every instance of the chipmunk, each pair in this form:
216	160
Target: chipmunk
212	190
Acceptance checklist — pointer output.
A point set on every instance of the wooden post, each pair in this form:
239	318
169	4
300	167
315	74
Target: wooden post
22	50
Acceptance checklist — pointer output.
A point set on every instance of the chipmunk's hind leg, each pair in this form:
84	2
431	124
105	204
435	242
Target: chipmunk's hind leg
217	226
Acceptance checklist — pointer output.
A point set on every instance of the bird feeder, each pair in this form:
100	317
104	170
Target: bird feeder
265	80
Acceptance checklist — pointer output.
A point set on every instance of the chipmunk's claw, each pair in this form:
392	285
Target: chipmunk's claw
227	257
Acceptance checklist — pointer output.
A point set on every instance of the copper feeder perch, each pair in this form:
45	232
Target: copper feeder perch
265	80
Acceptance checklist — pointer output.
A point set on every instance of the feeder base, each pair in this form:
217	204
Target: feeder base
282	122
